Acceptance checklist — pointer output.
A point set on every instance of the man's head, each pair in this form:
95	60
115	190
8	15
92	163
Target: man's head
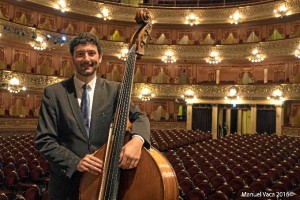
84	38
86	53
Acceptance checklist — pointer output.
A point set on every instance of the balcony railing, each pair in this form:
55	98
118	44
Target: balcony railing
190	3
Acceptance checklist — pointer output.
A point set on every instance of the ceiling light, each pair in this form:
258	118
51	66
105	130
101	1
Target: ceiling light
281	11
124	54
234	19
232	97
13	86
276	97
39	44
192	19
256	56
168	57
189	95
146	95
61	5
213	58
297	52
105	14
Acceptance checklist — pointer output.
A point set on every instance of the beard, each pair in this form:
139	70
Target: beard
87	72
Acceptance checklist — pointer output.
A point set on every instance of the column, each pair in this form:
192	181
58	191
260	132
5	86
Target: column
253	118
214	123
279	120
217	76
220	116
189	112
265	75
239	122
220	123
228	120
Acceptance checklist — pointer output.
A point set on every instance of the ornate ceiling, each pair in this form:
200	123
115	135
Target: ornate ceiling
175	15
173	18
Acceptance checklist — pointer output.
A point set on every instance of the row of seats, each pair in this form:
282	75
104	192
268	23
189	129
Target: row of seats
24	173
206	169
165	140
225	168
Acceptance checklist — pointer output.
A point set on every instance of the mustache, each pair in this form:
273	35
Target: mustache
86	63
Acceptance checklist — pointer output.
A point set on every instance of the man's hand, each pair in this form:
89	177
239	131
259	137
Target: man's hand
89	163
131	153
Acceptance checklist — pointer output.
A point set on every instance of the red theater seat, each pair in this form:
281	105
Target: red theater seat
195	194
218	196
227	190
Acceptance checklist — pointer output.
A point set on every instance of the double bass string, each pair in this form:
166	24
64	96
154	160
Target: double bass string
118	136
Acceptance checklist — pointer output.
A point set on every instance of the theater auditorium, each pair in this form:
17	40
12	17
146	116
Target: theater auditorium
219	82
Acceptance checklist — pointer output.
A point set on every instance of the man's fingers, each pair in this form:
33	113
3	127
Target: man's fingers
90	164
129	163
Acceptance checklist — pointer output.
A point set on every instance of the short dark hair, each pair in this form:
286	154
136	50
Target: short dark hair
83	38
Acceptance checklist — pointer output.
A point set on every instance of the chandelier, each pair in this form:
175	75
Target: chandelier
39	44
168	57
146	95
61	5
192	19
281	11
276	97
189	95
256	56
232	97
234	19
105	14
213	58
124	54
13	86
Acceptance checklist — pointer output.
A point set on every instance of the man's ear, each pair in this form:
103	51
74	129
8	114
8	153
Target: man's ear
100	58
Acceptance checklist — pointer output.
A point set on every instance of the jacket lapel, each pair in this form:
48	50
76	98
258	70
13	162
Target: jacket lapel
72	96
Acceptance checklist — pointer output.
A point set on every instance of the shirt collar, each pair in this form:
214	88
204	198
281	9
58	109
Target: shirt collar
78	83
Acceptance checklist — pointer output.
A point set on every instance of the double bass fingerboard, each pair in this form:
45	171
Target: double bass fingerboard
119	128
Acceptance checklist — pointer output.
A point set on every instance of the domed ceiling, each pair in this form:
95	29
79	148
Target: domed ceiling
255	16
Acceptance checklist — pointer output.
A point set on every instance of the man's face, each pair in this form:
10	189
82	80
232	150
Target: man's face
86	60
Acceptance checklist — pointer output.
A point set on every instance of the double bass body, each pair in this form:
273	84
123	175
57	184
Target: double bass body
153	179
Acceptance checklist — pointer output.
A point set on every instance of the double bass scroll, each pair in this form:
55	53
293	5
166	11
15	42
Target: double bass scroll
154	177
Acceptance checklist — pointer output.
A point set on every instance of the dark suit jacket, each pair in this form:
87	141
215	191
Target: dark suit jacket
61	137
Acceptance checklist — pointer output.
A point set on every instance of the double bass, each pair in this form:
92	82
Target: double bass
154	177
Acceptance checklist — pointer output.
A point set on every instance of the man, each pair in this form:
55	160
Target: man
67	138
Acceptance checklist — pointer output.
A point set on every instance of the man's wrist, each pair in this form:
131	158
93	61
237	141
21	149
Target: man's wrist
138	136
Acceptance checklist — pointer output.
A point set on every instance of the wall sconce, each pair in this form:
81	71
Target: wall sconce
61	5
276	97
146	95
297	52
256	56
189	95
235	17
105	14
124	54
39	44
13	86
192	19
168	57
232	97
213	57
281	11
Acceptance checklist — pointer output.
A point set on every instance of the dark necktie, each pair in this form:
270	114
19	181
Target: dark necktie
85	107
